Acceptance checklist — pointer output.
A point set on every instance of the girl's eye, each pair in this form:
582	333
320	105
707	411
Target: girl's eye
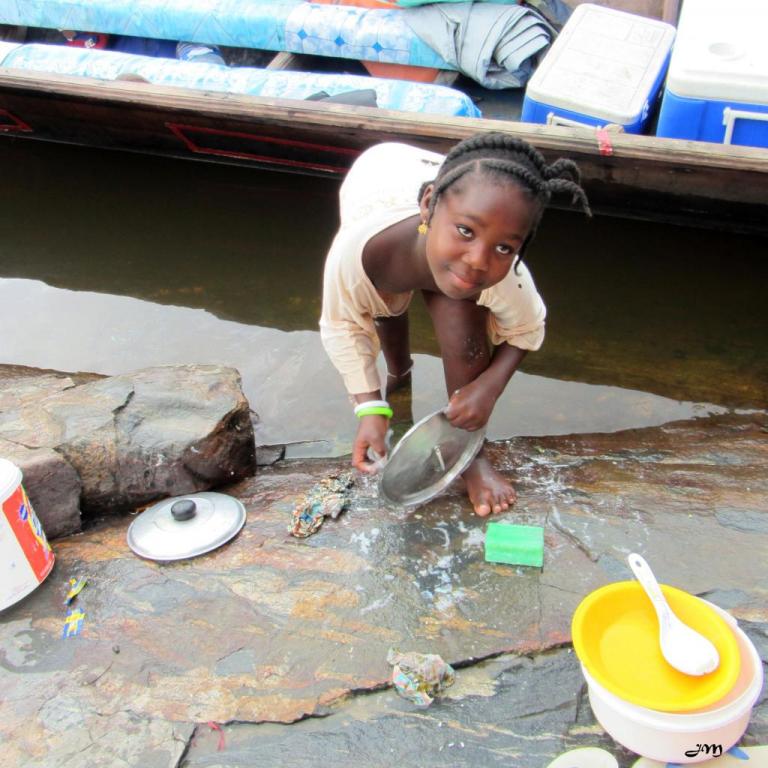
504	250
464	231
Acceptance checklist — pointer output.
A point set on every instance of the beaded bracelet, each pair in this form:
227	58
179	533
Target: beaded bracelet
373	408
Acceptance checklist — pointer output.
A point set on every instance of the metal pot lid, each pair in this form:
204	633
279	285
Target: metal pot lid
428	458
186	526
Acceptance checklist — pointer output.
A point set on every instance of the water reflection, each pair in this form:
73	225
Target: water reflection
287	376
636	307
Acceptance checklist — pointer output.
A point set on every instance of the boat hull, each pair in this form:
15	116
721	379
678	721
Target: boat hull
690	182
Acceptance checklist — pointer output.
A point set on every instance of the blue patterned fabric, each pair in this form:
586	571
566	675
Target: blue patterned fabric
108	65
297	26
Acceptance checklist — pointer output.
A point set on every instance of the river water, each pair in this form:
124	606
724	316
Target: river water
111	262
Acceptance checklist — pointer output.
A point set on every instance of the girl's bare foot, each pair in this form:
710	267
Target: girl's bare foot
488	491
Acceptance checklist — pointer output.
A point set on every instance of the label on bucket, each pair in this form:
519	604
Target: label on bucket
25	554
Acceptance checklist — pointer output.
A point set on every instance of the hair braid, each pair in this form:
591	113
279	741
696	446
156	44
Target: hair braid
577	193
502	155
563	168
505	157
448	179
519	172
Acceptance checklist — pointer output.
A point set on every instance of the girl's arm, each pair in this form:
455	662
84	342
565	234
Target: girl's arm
371	433
515	325
471	406
351	350
349	337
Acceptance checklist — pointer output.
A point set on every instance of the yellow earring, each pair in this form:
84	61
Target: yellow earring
422	228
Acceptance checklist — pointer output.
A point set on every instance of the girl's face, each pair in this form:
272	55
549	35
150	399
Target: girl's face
477	228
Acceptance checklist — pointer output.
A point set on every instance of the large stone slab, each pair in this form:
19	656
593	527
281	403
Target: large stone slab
509	711
52	484
273	629
128	439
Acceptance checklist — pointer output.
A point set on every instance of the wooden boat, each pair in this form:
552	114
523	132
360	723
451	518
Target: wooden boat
699	183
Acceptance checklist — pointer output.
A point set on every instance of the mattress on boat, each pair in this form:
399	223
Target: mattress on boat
6	48
109	65
296	26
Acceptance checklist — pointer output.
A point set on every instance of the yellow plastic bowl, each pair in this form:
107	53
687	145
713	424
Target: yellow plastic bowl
616	637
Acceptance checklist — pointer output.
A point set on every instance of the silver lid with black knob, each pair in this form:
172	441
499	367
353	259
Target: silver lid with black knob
186	526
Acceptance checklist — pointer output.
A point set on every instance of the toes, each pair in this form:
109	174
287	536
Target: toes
482	509
489	492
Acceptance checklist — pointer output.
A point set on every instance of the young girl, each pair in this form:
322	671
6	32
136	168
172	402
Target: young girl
455	228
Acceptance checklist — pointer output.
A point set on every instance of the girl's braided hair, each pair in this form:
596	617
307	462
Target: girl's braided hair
509	158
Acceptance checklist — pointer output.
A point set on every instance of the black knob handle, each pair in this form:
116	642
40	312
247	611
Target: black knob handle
184	509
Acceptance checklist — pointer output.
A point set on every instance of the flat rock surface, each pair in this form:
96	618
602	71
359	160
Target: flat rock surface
108	444
272	650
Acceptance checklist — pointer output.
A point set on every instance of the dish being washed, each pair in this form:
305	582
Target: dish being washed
427	459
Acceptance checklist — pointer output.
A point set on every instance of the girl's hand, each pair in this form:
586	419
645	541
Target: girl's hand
471	406
371	433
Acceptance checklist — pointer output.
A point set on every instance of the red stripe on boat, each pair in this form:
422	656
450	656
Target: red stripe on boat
193	138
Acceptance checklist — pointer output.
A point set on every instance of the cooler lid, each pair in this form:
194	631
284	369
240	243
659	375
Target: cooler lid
426	460
186	526
604	63
721	52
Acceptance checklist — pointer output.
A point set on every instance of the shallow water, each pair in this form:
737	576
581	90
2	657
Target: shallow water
111	262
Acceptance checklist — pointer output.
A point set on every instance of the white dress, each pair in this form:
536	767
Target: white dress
380	190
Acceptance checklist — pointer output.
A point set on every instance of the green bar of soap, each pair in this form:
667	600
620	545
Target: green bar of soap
514	544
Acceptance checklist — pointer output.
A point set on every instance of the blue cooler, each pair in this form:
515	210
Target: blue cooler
605	66
717	88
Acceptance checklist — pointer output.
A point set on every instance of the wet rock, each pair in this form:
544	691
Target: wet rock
743	520
270	629
77	735
52	484
157	432
133	438
269	454
529	711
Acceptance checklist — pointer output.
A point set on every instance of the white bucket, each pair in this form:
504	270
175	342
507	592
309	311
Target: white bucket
684	737
26	557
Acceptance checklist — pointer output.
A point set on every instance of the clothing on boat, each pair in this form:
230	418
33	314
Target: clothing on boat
167	49
380	190
498	46
556	12
85	39
147	46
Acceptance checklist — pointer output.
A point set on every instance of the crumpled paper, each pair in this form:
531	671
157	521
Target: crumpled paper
419	677
328	498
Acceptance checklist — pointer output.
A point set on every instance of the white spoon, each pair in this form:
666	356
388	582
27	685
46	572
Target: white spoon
683	648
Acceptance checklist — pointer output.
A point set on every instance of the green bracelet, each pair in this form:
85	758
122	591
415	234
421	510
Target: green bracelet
374	410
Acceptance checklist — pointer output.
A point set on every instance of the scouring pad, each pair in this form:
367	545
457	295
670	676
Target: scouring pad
514	544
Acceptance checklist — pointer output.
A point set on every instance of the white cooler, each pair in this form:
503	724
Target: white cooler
717	87
605	66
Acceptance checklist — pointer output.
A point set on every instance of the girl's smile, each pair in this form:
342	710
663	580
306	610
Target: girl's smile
465	283
475	233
